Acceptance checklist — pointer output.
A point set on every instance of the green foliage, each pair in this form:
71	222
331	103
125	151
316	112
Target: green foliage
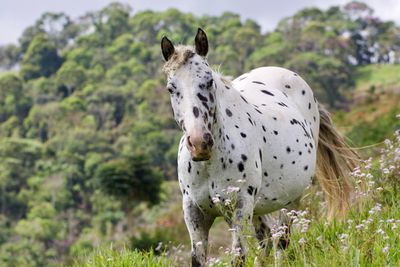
9	56
41	59
12	98
70	77
327	76
130	179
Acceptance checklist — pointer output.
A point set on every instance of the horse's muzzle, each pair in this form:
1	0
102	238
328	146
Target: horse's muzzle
200	147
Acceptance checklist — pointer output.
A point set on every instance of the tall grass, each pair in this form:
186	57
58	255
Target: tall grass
111	257
368	236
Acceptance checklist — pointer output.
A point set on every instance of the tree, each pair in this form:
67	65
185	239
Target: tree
13	101
70	77
327	76
59	28
9	56
131	180
41	59
275	51
17	161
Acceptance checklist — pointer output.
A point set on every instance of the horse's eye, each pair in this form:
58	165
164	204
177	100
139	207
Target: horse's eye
210	83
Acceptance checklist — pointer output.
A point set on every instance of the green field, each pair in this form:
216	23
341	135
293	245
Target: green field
379	76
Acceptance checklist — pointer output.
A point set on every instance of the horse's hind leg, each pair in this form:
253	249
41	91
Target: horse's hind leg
263	234
272	230
198	224
280	223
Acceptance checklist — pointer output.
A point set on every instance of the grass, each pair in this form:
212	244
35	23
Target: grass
372	120
368	236
377	75
111	257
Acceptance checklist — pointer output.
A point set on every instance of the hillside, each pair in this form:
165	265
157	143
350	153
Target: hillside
371	118
87	138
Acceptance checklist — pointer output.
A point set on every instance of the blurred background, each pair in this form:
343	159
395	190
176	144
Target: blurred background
88	143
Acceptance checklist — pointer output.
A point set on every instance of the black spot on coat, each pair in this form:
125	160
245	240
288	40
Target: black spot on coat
240	166
258	82
228	112
267	92
250	190
196	112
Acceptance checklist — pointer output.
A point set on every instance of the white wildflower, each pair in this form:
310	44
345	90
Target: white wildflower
302	241
232	189
359	226
343	236
380	231
385	250
216	200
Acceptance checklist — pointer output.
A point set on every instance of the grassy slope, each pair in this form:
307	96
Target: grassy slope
372	118
365	238
379	75
371	122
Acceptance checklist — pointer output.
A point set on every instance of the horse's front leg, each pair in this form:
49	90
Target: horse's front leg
198	224
241	225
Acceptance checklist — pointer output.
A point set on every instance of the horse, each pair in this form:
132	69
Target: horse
262	137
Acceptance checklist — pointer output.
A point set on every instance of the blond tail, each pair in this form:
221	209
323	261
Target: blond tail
335	160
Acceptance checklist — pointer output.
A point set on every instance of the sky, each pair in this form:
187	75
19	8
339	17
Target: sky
16	15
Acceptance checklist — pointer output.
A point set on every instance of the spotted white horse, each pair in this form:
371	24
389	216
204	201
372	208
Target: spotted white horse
260	134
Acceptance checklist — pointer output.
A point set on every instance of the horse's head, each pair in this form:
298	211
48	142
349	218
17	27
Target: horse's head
191	85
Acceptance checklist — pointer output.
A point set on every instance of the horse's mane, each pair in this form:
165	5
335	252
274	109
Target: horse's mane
181	55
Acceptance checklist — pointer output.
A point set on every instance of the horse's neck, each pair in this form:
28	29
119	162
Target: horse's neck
227	97
225	92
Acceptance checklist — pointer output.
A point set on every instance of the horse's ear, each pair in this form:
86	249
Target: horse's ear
167	48
201	43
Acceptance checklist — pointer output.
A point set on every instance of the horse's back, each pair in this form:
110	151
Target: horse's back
266	86
289	113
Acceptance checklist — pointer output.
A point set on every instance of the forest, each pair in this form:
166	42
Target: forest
88	142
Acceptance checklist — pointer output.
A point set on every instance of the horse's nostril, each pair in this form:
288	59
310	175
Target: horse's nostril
208	139
211	142
204	145
201	144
